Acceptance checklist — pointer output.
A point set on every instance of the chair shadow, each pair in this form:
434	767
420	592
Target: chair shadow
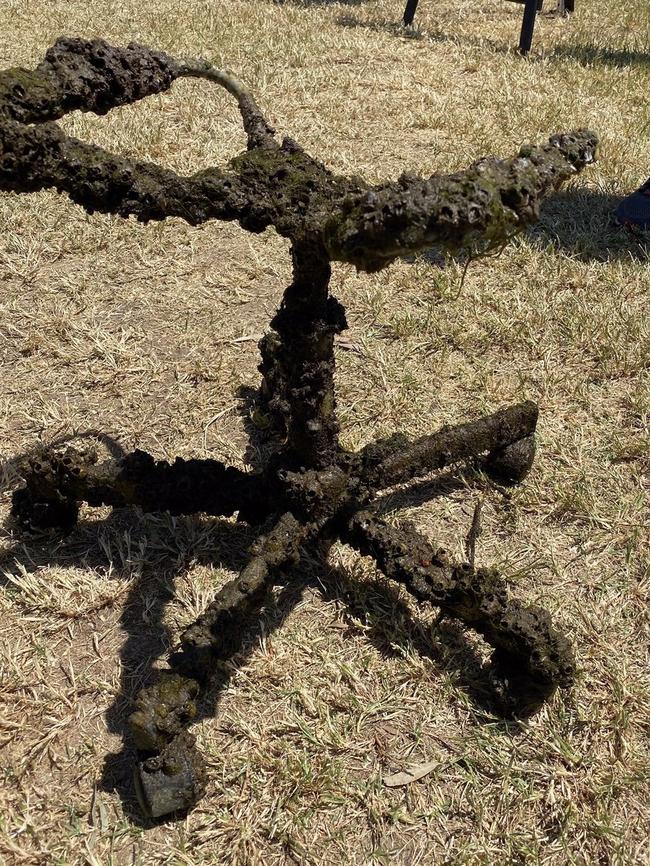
418	32
392	628
91	544
263	442
224	543
394	27
586	55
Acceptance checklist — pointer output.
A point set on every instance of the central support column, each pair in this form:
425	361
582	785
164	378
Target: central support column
298	361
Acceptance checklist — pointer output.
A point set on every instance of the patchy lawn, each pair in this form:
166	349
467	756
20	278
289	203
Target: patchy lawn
145	333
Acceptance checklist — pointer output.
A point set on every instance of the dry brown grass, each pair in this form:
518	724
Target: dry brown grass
131	330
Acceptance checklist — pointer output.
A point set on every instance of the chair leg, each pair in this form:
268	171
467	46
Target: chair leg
528	26
409	12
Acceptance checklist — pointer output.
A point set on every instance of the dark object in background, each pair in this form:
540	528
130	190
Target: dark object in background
634	211
527	26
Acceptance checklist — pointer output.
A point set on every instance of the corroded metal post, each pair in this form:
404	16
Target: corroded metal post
298	360
311	491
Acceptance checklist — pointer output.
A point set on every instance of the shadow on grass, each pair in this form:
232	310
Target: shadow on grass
416	32
152	551
598	55
394	27
392	627
263	441
306	4
586	55
579	222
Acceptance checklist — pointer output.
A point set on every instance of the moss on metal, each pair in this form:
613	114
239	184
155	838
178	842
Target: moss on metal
272	184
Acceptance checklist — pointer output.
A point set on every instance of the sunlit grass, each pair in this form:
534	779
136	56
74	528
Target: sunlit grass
135	331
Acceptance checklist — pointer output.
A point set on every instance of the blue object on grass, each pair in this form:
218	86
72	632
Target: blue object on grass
634	210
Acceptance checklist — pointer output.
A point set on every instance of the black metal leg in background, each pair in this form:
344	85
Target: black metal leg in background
528	26
532	7
409	12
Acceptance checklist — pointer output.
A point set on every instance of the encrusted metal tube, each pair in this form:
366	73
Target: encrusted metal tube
529	652
57	481
397	459
269	184
169	776
310	491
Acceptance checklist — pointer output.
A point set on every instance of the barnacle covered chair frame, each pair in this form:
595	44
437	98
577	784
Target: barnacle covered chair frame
311	490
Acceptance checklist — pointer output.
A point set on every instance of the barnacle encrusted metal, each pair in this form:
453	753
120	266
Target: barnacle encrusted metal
311	491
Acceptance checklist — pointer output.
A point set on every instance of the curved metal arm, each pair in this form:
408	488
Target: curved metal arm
260	132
